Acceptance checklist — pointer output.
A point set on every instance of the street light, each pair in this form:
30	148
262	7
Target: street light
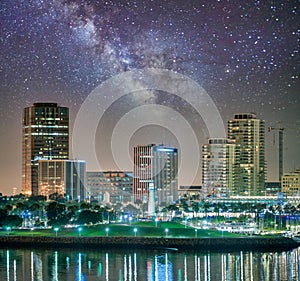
135	231
8	229
56	230
106	230
156	221
166	230
186	221
130	220
196	233
79	231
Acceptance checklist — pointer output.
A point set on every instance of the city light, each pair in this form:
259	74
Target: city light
8	229
166	149
156	221
56	230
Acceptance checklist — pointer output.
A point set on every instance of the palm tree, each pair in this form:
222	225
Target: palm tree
21	207
85	206
35	207
289	210
206	206
276	210
195	207
8	208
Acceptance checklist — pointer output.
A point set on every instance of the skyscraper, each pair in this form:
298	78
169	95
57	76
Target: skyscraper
248	132
220	160
45	136
157	165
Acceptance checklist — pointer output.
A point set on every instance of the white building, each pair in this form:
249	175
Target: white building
219	162
248	133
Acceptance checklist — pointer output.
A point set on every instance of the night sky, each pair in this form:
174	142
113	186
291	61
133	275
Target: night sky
245	54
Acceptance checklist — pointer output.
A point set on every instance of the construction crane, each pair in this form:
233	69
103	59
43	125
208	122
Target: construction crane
280	148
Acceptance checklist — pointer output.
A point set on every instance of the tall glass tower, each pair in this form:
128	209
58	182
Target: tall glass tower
157	166
248	133
45	137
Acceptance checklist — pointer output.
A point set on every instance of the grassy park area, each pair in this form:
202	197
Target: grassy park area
139	229
141	235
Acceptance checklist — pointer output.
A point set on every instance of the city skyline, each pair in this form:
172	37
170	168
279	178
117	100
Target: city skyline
245	56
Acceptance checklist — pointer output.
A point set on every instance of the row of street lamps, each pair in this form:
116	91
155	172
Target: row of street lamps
135	230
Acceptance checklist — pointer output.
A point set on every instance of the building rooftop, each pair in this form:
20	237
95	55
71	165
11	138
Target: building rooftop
248	115
45	104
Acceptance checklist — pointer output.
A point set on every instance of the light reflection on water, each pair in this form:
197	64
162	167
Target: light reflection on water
164	265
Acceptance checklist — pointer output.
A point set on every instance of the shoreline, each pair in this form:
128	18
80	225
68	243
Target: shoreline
180	244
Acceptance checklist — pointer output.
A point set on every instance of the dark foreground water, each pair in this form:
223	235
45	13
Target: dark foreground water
167	265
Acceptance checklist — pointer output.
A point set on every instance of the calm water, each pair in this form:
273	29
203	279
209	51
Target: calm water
40	264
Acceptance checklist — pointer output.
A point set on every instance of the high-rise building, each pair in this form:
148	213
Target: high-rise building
220	160
45	136
157	165
290	183
64	177
248	132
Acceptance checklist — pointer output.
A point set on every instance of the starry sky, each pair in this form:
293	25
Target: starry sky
245	54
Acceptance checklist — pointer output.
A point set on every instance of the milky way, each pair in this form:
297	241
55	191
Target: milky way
245	54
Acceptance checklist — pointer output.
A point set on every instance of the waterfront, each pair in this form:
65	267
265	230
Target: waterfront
156	265
242	243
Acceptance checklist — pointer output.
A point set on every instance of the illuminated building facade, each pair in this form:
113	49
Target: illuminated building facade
45	136
273	188
158	165
110	186
290	183
248	133
190	191
65	177
220	160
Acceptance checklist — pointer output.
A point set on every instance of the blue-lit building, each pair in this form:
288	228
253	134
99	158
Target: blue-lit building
157	164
